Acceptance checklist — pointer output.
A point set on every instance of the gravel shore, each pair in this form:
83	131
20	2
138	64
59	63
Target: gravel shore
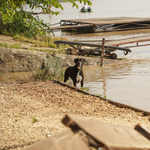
32	111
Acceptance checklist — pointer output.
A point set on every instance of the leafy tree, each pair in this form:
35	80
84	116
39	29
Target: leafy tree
16	21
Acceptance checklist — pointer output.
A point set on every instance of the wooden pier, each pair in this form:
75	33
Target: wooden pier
126	42
139	41
104	24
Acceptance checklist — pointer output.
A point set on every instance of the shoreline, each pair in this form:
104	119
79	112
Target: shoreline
145	113
48	102
32	111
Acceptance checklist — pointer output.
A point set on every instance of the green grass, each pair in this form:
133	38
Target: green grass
11	46
17	46
34	119
105	96
98	95
85	89
4	45
40	41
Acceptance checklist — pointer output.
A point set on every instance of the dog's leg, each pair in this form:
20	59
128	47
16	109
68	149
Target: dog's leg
82	83
74	83
66	77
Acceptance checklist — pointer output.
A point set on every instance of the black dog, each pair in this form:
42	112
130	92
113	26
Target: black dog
75	72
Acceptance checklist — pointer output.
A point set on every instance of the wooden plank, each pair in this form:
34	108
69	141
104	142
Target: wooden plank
106	21
72	26
110	135
65	140
128	40
124	41
145	132
68	27
103	21
91	45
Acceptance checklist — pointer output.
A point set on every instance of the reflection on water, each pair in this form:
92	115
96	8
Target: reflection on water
127	83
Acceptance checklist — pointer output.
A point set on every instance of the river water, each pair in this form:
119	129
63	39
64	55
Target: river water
127	83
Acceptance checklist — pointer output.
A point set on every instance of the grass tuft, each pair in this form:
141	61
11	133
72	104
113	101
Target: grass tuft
34	120
85	89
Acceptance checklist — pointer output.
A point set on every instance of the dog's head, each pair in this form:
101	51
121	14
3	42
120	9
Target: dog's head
79	62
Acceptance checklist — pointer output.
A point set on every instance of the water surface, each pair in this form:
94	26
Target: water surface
127	83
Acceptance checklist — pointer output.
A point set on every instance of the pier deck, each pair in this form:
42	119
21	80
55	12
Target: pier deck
105	24
106	21
139	41
136	40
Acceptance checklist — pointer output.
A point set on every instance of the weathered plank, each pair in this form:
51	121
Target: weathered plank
109	135
65	140
139	41
91	45
128	40
68	27
145	132
106	21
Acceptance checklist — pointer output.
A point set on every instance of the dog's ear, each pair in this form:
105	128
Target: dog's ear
75	60
83	60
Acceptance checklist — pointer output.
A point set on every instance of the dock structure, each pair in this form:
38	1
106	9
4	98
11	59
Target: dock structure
139	41
82	48
104	24
126	42
94	47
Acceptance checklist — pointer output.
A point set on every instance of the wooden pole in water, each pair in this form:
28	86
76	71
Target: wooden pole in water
102	52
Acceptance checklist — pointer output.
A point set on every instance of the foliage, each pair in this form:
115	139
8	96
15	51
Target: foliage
17	21
52	70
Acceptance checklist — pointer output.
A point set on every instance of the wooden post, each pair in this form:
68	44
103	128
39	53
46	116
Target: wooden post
102	52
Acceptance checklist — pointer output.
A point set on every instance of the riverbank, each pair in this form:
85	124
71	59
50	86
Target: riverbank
28	58
33	111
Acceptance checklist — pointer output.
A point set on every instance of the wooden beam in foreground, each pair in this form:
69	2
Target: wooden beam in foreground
110	136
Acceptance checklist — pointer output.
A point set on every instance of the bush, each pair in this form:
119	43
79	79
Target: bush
52	70
17	21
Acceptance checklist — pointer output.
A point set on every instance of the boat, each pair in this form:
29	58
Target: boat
86	10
